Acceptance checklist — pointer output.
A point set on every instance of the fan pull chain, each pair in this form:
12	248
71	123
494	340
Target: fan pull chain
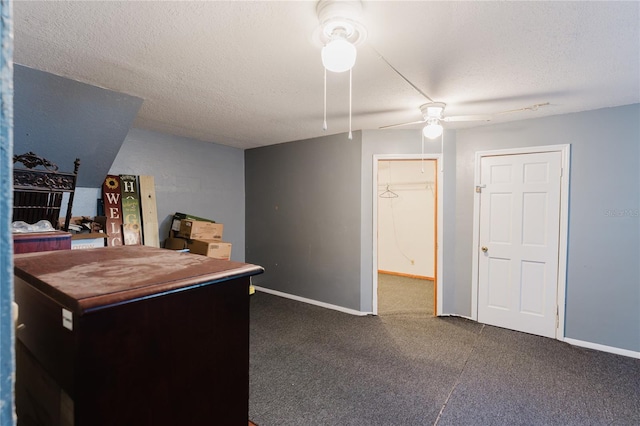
324	123
422	158
350	99
442	151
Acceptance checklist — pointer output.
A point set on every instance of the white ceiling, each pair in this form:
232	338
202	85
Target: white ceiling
248	73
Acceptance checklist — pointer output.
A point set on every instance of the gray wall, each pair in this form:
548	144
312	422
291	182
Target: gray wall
61	120
603	278
405	142
199	178
303	217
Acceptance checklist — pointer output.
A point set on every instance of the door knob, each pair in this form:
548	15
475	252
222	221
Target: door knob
484	249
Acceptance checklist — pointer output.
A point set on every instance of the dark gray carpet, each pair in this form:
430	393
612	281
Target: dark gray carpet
314	366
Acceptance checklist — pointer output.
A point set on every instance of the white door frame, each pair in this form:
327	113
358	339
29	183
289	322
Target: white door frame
565	150
439	225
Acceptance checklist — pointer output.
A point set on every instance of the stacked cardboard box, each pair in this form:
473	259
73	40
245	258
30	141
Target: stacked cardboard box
177	220
201	237
200	230
211	248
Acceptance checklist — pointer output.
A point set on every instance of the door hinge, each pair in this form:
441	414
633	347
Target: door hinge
479	188
557	316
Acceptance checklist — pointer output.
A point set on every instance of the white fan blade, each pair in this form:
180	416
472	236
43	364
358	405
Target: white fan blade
484	117
533	107
401	124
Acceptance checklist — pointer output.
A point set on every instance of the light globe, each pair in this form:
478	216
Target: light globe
432	130
339	55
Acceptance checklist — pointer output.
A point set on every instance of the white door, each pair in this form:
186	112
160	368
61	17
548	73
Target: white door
518	243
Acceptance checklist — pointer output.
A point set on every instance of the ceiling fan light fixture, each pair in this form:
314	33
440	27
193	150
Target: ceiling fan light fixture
339	16
432	110
340	31
339	55
432	130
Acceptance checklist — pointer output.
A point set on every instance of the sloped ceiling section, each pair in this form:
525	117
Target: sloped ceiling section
61	120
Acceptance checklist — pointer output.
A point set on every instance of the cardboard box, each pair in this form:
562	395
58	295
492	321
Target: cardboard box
177	217
88	240
172	243
211	248
200	230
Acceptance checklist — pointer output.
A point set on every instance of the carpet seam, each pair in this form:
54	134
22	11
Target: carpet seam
457	382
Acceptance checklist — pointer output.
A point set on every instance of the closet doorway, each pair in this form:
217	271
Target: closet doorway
407	227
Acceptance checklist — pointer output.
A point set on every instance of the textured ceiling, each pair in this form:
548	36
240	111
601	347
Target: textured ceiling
248	74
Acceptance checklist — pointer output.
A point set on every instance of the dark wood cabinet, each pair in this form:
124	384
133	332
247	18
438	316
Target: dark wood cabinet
131	336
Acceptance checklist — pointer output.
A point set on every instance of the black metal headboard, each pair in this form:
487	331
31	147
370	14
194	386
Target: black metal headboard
38	193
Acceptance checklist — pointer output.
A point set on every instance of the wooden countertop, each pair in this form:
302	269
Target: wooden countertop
88	280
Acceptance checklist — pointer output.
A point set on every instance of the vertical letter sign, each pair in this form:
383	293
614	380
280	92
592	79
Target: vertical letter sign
112	210
130	210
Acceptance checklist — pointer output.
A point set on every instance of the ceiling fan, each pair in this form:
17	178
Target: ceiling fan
433	115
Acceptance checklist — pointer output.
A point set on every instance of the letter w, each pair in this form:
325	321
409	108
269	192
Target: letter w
114	198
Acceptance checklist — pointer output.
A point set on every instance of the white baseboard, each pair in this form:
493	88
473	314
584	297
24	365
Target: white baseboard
603	348
311	301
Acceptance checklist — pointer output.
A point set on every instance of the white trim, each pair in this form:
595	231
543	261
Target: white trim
440	224
563	243
457	316
603	348
565	150
311	301
476	243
